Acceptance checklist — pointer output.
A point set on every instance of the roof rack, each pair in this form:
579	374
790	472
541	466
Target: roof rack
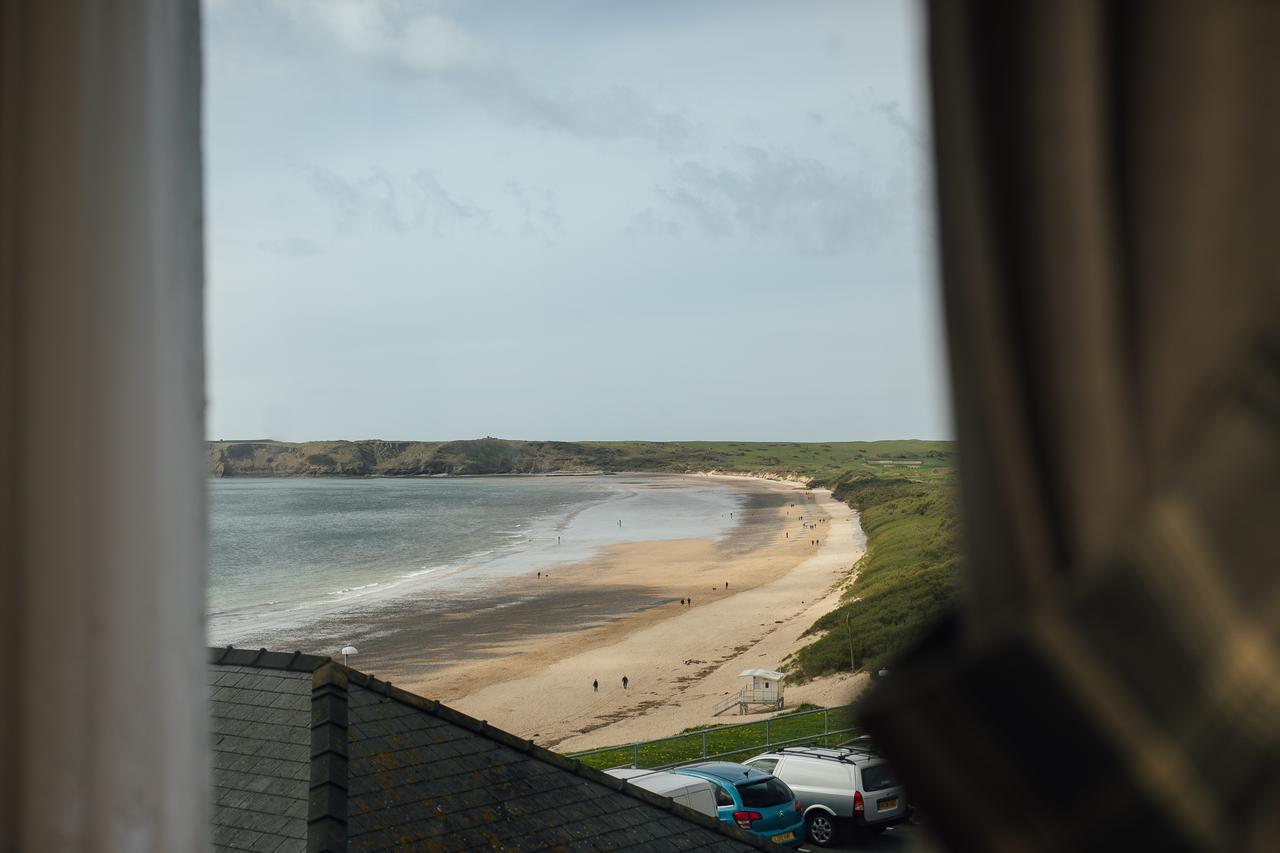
847	754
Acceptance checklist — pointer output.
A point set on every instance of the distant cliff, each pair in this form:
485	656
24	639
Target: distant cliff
822	461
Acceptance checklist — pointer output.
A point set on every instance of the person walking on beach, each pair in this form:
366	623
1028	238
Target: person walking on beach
682	602
595	685
624	682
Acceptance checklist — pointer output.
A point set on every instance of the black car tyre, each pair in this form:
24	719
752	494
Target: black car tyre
820	827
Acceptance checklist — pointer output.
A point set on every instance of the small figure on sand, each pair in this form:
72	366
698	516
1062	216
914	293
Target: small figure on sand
595	685
682	602
726	584
624	682
539	574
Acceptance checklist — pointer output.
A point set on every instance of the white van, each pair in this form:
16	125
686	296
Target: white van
845	787
697	794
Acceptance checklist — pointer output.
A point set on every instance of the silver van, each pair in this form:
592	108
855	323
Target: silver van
838	788
697	794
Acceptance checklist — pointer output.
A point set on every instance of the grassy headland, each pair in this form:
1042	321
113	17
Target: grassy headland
822	462
902	489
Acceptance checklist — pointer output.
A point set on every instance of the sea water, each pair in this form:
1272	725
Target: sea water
286	552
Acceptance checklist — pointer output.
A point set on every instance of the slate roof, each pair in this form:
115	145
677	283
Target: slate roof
261	726
311	755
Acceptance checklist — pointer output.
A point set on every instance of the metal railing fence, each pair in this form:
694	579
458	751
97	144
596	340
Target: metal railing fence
795	729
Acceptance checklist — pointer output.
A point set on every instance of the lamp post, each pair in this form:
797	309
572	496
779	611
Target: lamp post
347	651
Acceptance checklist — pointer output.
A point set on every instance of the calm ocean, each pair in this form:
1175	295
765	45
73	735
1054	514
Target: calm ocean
287	552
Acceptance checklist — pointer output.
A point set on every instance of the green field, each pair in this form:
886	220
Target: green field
740	741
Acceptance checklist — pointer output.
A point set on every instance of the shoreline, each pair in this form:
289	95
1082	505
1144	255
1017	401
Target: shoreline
498	577
681	660
522	653
328	475
712	473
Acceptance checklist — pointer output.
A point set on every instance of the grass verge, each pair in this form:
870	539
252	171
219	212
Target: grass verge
741	741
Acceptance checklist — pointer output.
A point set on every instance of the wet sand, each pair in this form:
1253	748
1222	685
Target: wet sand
526	661
523	657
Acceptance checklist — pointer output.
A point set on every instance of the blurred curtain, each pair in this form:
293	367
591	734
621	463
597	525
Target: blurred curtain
103	726
1109	210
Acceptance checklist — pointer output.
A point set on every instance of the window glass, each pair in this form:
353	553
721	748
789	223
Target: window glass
765	764
767	792
723	797
878	777
817	773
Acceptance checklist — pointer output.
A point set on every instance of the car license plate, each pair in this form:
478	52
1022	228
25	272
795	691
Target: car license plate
885	805
786	836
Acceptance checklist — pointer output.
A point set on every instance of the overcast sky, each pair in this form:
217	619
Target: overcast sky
570	220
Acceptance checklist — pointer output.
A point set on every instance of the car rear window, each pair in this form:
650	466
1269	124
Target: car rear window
766	792
878	777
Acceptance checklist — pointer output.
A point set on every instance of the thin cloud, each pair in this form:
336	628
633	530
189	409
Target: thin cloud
292	247
648	222
778	195
385	202
417	40
540	216
408	35
892	111
617	112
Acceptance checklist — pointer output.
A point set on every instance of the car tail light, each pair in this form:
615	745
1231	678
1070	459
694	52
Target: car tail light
799	807
858	806
745	819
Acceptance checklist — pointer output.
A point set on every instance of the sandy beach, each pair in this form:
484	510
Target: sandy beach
525	660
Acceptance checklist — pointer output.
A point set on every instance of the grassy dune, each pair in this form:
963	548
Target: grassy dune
907	578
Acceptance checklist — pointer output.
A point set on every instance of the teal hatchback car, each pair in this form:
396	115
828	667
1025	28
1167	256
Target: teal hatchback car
753	800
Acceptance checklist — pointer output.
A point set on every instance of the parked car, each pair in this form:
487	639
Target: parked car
697	794
751	799
838	789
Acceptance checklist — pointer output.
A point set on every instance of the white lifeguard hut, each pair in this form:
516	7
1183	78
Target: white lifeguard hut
765	692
